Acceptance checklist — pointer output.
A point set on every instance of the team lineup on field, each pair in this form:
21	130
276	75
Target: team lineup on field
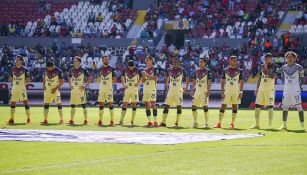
231	90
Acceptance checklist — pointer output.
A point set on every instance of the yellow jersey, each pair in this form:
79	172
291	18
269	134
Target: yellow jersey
52	78
78	77
202	76
176	75
131	78
267	83
232	76
150	84
106	74
19	76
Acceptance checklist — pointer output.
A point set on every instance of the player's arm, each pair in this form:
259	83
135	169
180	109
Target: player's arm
123	80
302	76
139	78
89	78
11	75
187	81
61	81
114	78
44	82
166	82
273	74
27	76
70	79
223	81
241	84
209	83
143	78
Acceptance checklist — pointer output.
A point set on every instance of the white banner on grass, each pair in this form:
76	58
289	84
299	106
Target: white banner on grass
115	136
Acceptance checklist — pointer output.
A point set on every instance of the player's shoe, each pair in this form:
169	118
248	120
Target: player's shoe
149	124
283	127
71	122
45	122
218	125
195	125
61	122
255	127
120	123
206	126
176	126
162	125
111	124
85	122
99	123
155	124
11	122
232	126
28	121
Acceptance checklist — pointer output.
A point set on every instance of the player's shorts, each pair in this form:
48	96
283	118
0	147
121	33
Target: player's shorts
78	98
291	99
231	98
19	95
105	96
200	100
131	96
50	97
174	98
150	96
265	98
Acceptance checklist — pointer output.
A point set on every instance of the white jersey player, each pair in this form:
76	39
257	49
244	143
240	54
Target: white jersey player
293	76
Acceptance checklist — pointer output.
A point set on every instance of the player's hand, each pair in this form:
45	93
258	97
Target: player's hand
44	87
184	90
126	87
240	95
207	94
192	93
82	88
136	84
53	90
223	95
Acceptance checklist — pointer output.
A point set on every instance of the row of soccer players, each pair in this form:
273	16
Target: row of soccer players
132	77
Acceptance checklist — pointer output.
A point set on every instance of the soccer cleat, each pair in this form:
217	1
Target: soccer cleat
156	124
255	127
99	123
61	122
283	127
232	126
162	125
120	123
45	122
11	122
28	121
71	122
206	126
111	124
149	124
85	122
176	125
195	125
218	125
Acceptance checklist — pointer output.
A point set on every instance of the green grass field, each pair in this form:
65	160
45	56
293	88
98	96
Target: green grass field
278	152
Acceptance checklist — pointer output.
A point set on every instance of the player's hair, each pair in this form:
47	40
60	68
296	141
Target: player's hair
78	58
292	53
268	55
233	56
49	64
20	57
203	58
151	58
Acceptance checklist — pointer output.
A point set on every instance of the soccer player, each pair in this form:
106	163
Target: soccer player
53	79
293	75
232	90
200	91
79	79
108	78
20	77
149	79
265	89
174	79
131	79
